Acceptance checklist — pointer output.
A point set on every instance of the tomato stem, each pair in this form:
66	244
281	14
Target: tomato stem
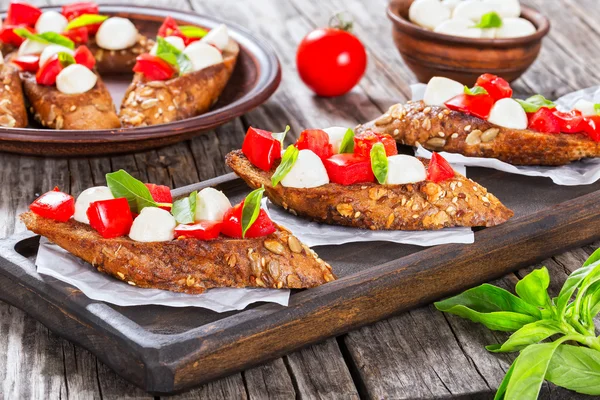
339	22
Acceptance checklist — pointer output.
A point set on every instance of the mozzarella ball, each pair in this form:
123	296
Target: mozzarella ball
31	47
459	27
428	13
211	205
586	108
153	225
218	36
87	197
202	55
439	90
176	41
51	50
51	21
505	8
117	33
515	27
508	113
307	172
403	169
451	4
472	10
75	79
336	135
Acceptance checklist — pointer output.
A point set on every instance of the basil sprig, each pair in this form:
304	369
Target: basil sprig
379	162
46	38
193	31
251	209
85	20
489	20
121	184
285	166
474	91
535	317
184	209
65	59
347	145
280	136
534	103
173	55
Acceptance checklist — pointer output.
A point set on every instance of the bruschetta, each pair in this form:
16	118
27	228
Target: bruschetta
334	177
190	245
485	121
13	113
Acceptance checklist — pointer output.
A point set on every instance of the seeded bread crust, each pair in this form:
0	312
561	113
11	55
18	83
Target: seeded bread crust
117	62
421	206
190	265
13	113
440	129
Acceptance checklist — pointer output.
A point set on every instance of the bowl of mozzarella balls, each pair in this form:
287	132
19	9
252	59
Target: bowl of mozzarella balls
462	39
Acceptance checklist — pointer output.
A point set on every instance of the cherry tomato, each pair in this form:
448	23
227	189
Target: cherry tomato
203	230
74	10
153	68
77	35
29	62
439	169
348	169
316	140
363	142
84	56
496	87
331	61
478	105
261	148
110	218
232	224
570	122
160	194
22	13
592	127
54	205
8	36
48	72
544	120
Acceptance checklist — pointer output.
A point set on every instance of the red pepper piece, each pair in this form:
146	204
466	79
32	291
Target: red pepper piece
203	230
74	10
317	141
77	35
22	13
84	56
478	105
160	194
110	218
8	36
496	87
54	205
29	62
348	169
570	122
232	224
153	68
363	142
261	148
439	169
592	127
544	120
48	72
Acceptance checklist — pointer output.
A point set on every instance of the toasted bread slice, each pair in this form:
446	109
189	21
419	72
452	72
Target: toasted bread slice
117	62
421	206
440	129
158	102
190	265
13	113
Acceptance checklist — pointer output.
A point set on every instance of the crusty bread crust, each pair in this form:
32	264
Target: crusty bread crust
13	113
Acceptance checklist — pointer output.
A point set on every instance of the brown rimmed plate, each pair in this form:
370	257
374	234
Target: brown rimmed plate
255	78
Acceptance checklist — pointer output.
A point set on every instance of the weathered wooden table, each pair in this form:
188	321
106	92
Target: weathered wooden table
419	354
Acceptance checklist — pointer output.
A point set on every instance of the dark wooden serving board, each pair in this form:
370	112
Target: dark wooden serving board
164	350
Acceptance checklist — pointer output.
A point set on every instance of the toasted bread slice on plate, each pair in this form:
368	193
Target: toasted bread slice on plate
116	62
13	113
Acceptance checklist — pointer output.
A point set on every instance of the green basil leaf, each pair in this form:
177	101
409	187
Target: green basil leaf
593	302
575	368
168	57
571	284
24	33
192	31
597	109
587	282
285	166
502	388
184	63
474	91
162	46
505	321
184	209
280	136
65	59
534	103
347	145
533	288
529	334
121	184
57	38
379	162
489	20
85	20
593	258
251	209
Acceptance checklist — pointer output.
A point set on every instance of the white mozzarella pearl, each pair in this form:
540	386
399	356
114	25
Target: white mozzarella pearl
403	169
505	8
515	27
586	108
472	10
117	33
307	172
508	113
87	197
31	47
75	79
218	36
211	205
51	50
153	225
51	21
202	55
336	135
176	41
428	13
439	90
459	27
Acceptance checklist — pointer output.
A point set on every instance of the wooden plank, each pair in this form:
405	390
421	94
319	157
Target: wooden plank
269	381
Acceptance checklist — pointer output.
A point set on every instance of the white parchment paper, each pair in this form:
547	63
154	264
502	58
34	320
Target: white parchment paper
582	172
62	265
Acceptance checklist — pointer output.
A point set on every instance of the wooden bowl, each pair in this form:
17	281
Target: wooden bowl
256	76
430	54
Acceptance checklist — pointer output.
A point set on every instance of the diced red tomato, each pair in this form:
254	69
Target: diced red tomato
544	120
22	13
8	36
348	169
48	72
232	224
592	127
29	62
74	10
160	194
110	218
84	56
496	87
439	169
570	122
363	142
478	105
153	67
169	28
203	230
54	205
317	141
78	35
261	148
